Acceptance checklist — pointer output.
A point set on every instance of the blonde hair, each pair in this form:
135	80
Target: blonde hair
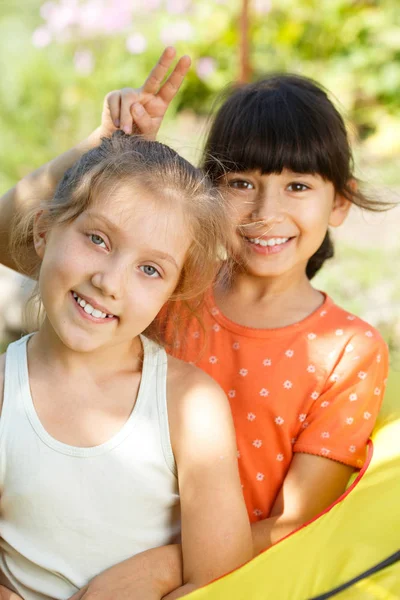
160	170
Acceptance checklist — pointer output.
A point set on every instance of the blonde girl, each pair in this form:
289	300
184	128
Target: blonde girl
108	447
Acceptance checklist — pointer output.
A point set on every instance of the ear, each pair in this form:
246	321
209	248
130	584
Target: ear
341	206
39	235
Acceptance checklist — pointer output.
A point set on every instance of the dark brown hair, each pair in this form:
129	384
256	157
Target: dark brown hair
285	121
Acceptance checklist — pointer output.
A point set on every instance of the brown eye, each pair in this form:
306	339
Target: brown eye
297	187
240	184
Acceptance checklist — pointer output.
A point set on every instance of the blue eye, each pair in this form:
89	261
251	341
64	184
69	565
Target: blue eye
150	271
97	240
297	187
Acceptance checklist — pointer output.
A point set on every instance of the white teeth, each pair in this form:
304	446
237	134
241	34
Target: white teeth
270	242
88	308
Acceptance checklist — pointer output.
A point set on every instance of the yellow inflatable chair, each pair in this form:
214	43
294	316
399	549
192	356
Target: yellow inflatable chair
349	552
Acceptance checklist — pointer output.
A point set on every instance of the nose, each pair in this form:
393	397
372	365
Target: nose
269	207
111	279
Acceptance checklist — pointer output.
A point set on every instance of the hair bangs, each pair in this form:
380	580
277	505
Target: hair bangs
270	129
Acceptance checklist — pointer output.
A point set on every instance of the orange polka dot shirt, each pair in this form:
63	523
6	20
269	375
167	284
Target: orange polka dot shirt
314	387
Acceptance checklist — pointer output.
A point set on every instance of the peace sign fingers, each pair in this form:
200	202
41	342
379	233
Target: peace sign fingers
170	88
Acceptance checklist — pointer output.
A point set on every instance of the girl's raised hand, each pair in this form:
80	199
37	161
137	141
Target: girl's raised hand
143	109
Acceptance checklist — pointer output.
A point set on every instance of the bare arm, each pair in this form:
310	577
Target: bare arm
144	107
215	528
311	485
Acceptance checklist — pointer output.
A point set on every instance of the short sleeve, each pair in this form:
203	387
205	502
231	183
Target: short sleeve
341	419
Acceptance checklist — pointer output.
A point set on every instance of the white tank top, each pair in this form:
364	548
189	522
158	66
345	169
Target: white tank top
68	513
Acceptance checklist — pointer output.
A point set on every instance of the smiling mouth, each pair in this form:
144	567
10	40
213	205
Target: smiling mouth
90	310
271	242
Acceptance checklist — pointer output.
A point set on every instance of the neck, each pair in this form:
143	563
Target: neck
268	302
49	349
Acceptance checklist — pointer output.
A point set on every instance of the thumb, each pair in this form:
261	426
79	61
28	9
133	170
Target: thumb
144	123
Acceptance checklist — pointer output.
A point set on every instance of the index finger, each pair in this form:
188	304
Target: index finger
154	80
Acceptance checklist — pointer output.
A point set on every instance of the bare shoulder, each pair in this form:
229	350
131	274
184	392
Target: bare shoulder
199	415
185	381
2	374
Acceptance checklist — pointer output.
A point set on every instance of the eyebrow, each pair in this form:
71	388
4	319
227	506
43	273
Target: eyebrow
114	227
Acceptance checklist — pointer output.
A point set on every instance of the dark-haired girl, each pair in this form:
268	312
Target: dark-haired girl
305	378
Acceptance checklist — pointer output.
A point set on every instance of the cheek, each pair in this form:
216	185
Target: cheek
238	206
63	264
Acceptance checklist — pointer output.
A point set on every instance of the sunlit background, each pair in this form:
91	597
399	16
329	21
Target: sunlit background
59	58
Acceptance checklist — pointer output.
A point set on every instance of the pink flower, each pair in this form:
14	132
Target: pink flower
41	37
260	476
264	392
136	43
279	420
205	67
257	443
84	62
251	416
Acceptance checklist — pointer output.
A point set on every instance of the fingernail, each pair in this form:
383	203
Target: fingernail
127	129
116	123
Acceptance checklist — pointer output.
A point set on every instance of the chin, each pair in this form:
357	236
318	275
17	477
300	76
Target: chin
79	341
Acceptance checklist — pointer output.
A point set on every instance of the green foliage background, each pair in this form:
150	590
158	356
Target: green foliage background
48	103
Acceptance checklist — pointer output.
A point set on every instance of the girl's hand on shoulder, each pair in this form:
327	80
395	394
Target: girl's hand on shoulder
143	109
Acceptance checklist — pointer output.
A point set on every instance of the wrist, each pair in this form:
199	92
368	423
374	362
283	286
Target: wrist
168	573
